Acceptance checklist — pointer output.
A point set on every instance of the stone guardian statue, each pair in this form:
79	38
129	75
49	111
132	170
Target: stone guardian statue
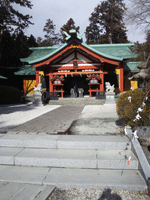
37	97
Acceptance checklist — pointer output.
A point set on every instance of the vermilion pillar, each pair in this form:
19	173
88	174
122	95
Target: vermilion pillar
121	77
37	78
24	85
102	82
50	82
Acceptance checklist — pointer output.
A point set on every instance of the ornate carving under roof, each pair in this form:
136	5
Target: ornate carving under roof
93	76
56	77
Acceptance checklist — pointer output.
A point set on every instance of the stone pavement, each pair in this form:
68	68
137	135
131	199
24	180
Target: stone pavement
14	115
23	191
75	119
56	121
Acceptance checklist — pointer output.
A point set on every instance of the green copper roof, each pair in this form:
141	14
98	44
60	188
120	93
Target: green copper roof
114	51
2	77
131	66
26	70
41	53
111	51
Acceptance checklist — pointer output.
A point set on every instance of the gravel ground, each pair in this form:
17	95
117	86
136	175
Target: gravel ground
91	194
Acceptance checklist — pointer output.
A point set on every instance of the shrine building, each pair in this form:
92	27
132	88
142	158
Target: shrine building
75	62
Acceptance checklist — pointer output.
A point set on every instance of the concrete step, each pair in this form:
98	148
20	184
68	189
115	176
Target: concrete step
21	191
74	178
77	101
83	178
65	141
101	159
74	103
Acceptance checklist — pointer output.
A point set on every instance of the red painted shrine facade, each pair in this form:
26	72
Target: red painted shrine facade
88	66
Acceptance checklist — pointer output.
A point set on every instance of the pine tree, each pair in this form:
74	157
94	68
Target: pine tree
13	47
93	31
7	49
39	41
10	17
32	41
67	27
22	47
106	23
51	38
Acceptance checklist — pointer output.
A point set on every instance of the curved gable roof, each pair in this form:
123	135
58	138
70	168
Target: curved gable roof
121	51
117	52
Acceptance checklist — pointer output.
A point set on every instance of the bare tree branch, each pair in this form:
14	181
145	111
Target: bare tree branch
138	13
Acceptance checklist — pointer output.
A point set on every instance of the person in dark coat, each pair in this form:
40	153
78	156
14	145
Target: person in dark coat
75	90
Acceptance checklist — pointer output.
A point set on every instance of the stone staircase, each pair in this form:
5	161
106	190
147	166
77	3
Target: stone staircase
77	101
71	161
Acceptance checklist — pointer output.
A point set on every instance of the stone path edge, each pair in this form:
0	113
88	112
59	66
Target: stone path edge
137	149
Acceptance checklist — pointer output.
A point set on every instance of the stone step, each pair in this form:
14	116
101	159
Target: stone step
68	158
75	103
46	141
81	101
21	191
74	178
102	179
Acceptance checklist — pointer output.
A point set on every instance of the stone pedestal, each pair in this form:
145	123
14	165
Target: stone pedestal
37	99
110	98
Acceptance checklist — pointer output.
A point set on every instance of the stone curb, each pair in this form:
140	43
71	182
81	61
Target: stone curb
140	155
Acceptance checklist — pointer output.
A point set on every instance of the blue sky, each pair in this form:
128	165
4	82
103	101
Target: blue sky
60	11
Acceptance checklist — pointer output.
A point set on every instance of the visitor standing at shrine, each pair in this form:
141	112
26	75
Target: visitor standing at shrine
75	90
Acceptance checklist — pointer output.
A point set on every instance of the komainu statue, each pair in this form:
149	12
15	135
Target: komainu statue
109	88
38	89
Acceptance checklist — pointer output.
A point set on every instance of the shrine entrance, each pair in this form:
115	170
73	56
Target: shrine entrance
70	81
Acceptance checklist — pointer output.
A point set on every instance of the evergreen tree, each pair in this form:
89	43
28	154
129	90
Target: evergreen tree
67	27
10	17
7	49
106	23
39	41
51	38
32	41
22	47
13	47
93	31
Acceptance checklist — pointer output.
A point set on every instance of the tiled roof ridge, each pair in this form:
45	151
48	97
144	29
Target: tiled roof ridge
112	45
34	57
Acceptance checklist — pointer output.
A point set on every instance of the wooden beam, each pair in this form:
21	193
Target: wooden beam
77	73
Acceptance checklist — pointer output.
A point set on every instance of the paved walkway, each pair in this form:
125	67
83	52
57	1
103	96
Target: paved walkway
14	115
23	191
56	121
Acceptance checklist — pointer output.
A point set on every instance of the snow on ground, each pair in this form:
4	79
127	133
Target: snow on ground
14	115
